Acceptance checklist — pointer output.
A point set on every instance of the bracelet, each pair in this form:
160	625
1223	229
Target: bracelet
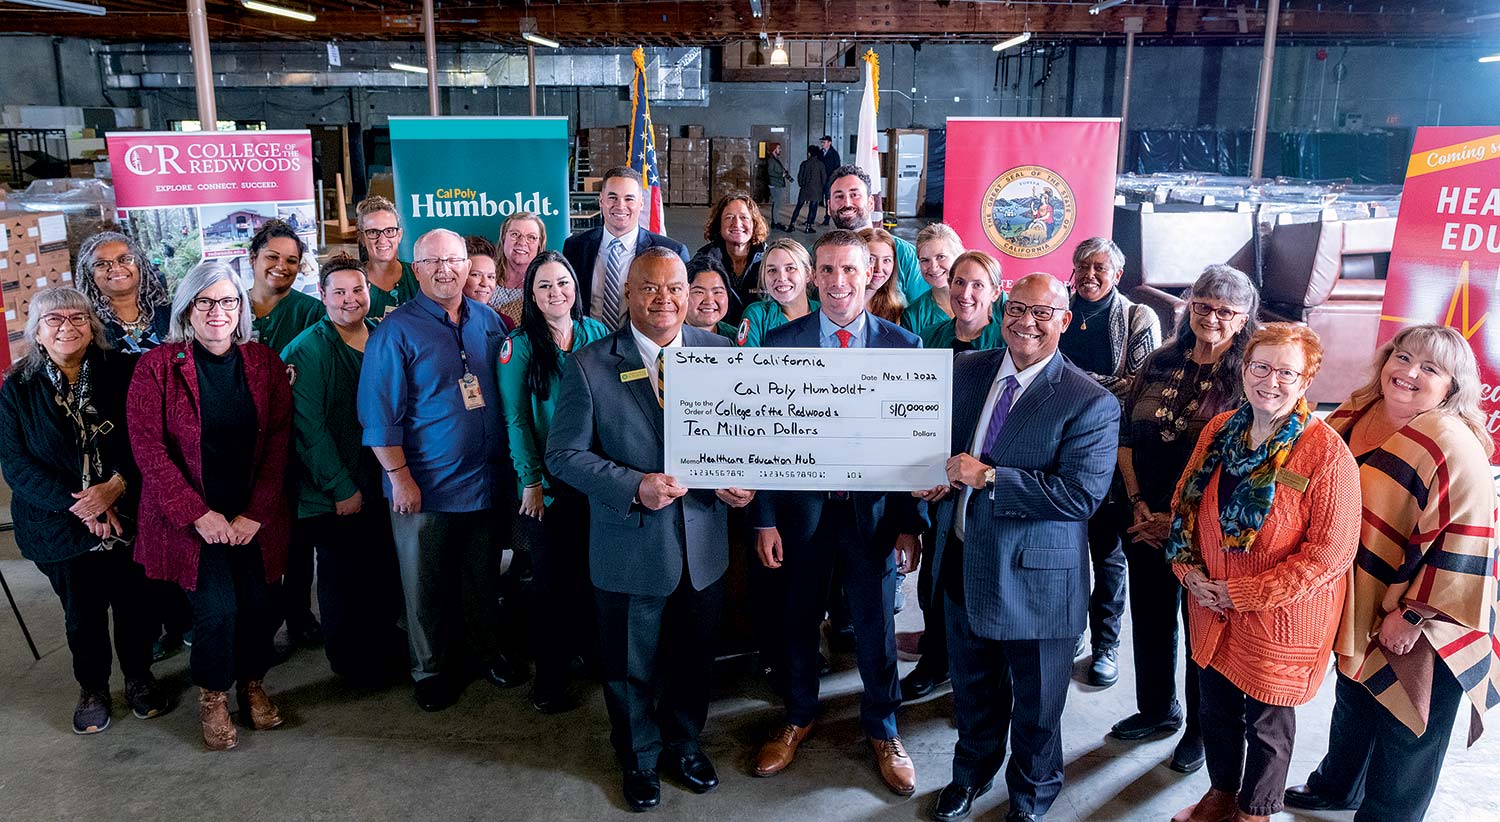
1134	498
397	468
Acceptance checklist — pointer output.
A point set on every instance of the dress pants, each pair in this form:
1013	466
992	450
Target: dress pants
560	617
1107	601
359	592
1156	604
656	654
233	617
294	593
1377	763
1248	744
449	574
1016	687
933	646
90	587
869	587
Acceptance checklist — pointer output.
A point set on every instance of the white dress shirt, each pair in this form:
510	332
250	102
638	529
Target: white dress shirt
601	271
649	350
976	446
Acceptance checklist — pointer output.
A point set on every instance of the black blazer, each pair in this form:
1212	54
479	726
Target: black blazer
582	251
42	459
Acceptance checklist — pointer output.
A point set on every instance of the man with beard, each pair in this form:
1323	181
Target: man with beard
850	205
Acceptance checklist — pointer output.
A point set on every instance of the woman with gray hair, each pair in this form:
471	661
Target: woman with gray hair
1184	384
74	486
127	292
210	424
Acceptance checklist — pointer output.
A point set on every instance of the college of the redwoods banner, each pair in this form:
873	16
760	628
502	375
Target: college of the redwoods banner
1445	259
1030	189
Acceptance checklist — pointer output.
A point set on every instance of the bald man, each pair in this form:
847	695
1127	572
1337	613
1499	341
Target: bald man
1034	449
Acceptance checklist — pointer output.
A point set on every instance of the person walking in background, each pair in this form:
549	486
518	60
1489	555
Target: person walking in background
812	182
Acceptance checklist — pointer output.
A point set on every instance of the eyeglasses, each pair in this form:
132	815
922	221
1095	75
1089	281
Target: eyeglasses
1261	370
451	262
1102	269
1040	313
101	266
57	320
1224	315
206	304
388	232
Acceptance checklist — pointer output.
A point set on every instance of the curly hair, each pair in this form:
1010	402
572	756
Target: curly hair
759	230
151	295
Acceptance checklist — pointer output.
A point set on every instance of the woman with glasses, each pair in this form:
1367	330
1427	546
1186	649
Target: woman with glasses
127	292
523	235
938	245
1264	527
1192	378
392	282
210	425
74	488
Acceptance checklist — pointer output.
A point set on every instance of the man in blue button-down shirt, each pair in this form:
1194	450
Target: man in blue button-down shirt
430	406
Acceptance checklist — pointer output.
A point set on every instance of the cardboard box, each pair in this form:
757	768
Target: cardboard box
695	132
54	268
41	227
733	165
23	254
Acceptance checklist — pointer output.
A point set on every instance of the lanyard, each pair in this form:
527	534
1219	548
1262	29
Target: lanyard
458	336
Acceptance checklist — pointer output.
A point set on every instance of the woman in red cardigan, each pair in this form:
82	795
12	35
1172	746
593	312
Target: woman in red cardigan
209	416
1264	528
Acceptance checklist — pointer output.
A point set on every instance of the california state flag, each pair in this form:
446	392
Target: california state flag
867	148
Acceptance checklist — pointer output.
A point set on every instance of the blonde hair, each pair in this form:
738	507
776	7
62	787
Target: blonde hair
371	205
988	263
1448	348
943	233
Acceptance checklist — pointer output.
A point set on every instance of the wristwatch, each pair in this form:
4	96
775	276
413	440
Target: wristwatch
1411	616
989	476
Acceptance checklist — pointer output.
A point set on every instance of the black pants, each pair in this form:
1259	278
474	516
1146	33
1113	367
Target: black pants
90	587
233	617
656	654
1107	602
560	614
1156	604
812	211
1015	688
294	593
171	613
1376	762
1248	744
933	646
359	592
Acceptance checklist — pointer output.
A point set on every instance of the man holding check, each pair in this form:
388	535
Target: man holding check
802	533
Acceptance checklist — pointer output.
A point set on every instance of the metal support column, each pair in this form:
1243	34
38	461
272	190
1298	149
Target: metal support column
531	75
1132	27
1263	96
203	67
429	26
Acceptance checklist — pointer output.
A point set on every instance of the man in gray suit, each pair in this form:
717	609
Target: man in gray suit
657	551
1034	450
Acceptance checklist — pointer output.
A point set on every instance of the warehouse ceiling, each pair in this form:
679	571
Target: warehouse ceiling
709	22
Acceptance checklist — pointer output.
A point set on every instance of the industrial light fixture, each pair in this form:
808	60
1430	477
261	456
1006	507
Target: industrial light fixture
537	39
778	54
1013	42
1107	4
62	5
1492	58
755	9
398	66
280	11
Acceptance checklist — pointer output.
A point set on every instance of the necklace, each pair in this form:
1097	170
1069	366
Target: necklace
1108	301
1175	420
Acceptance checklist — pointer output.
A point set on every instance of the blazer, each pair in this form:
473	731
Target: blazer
166	434
1026	553
878	515
606	435
582	251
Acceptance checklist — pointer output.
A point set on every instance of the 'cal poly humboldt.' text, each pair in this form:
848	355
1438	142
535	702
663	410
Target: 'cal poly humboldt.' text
463	202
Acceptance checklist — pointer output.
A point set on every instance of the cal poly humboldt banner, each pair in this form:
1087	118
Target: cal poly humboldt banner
1030	189
468	174
1445	259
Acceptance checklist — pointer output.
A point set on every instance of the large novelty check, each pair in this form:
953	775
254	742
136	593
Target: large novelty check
870	419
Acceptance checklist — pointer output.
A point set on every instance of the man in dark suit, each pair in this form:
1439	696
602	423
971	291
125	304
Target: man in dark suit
1034	450
803	533
831	162
601	257
657	551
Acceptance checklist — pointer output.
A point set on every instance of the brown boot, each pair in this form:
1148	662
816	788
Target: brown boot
1215	806
213	712
777	753
1241	816
258	707
896	767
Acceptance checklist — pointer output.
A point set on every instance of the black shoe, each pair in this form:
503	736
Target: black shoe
920	682
433	694
642	790
1140	726
1104	671
165	646
1015	815
808	229
146	699
841	640
1303	797
778	226
304	632
694	770
552	700
1078	647
91	714
505	674
956	801
1188	756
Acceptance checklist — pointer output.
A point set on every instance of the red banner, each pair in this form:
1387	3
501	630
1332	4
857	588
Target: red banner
170	168
1030	189
1445	259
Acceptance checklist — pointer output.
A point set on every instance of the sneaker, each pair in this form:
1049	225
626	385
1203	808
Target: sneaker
92	713
900	599
146	699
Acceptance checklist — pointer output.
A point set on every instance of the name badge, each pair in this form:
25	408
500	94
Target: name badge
468	386
1291	479
632	376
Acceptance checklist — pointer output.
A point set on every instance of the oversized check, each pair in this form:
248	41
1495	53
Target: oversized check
859	419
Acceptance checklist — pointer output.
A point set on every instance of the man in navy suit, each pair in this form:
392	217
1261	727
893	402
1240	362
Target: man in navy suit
601	257
803	533
1034	449
657	551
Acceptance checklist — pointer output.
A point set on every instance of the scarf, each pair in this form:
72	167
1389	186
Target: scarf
1242	514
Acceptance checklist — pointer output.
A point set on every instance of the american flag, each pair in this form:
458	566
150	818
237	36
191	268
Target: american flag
643	146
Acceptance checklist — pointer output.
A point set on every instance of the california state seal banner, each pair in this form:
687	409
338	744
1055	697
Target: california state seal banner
1030	189
1445	258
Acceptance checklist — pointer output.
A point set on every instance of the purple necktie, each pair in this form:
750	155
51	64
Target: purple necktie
997	417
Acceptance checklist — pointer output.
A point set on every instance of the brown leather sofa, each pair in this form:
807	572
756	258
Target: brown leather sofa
1167	246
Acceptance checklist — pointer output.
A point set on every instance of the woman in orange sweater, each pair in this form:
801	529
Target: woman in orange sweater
1265	526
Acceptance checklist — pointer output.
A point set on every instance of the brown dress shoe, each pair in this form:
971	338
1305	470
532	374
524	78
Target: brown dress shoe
213	712
896	767
1241	816
777	753
1215	806
259	708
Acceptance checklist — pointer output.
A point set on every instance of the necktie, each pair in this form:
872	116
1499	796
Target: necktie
614	284
661	378
844	337
997	417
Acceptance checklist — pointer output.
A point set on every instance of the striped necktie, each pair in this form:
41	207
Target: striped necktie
661	378
614	284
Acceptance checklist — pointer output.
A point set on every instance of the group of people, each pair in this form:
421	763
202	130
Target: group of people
419	417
